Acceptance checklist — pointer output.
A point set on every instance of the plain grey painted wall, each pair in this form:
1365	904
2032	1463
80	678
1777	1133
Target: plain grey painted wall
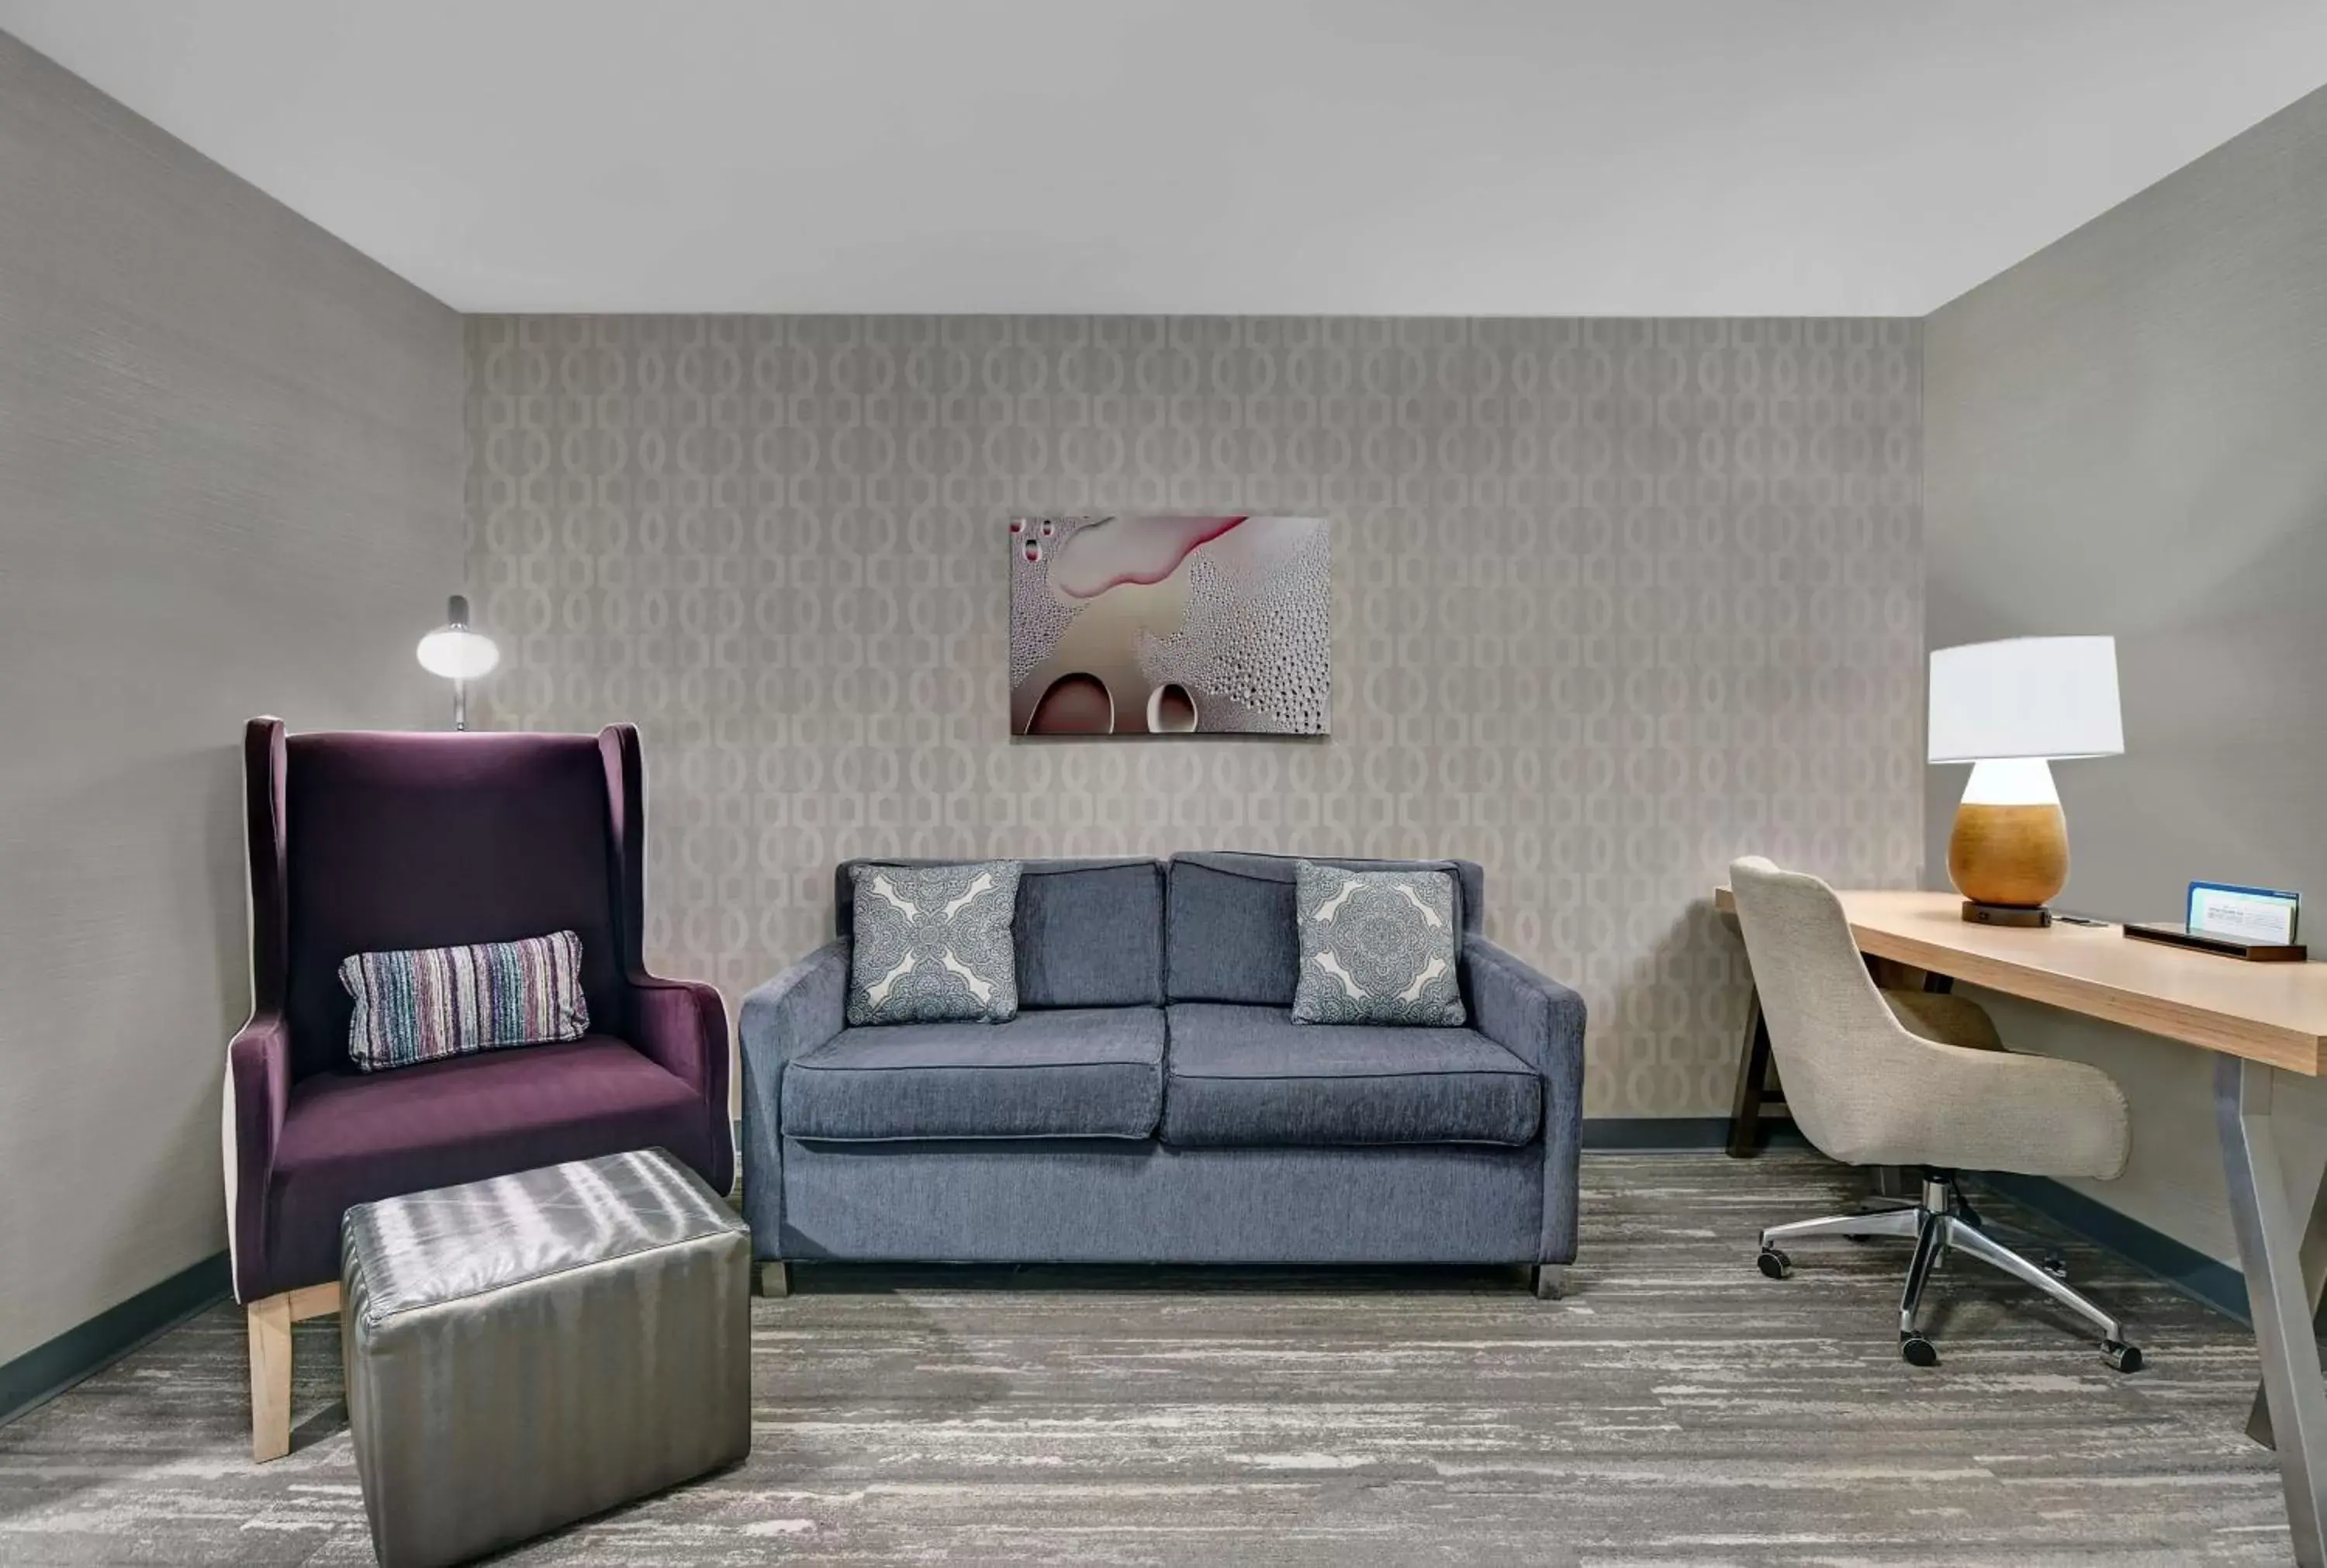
230	472
2128	433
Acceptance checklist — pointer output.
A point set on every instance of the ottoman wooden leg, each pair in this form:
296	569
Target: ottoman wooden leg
269	1322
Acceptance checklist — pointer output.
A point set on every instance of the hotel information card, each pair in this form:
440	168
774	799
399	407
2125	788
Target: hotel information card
2247	914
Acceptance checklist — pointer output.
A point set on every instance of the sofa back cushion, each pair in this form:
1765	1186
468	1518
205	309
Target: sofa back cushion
1228	931
1090	933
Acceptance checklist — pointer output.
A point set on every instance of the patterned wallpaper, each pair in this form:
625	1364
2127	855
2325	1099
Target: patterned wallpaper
1614	602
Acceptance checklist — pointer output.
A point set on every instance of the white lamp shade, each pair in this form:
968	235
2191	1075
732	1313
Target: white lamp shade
457	653
2025	697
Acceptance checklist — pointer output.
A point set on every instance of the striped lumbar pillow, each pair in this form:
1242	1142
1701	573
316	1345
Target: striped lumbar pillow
442	1002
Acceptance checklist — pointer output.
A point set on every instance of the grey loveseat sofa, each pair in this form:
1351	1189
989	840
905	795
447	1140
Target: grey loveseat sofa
1154	1100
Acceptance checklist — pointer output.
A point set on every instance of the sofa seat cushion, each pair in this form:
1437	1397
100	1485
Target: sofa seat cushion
350	1139
1250	1075
1076	1072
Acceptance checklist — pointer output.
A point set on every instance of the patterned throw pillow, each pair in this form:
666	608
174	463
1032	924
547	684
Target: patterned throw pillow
932	944
1377	946
435	1003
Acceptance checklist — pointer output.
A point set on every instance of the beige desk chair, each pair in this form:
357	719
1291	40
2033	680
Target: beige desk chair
1868	1089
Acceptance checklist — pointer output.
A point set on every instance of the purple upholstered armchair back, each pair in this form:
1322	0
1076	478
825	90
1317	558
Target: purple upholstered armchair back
388	841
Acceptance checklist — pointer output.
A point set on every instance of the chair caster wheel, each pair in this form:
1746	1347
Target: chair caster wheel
1776	1265
2056	1265
1918	1351
2125	1358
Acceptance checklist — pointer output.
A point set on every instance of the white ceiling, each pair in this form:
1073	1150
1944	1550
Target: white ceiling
1547	158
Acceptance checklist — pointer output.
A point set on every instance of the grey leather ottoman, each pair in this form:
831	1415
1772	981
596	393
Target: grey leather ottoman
529	1350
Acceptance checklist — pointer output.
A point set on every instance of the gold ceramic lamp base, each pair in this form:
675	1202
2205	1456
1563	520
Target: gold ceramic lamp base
2009	853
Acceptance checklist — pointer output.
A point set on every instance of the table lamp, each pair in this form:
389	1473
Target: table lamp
2011	709
459	654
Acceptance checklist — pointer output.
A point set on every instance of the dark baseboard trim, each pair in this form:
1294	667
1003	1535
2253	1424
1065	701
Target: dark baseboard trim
2185	1268
45	1371
1647	1134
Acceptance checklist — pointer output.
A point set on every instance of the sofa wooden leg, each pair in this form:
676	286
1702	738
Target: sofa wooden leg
1550	1281
269	1322
770	1278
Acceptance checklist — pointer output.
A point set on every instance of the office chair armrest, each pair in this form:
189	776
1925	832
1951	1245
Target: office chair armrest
789	1016
257	1100
1925	1102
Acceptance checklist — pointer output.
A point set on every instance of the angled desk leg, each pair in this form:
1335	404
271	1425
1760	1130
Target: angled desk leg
2315	1283
2270	1244
1752	1081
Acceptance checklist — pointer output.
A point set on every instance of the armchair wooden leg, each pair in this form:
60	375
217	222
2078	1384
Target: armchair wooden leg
269	1322
1550	1281
270	1377
770	1278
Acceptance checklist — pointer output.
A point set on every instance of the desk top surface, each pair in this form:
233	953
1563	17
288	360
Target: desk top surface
2274	1012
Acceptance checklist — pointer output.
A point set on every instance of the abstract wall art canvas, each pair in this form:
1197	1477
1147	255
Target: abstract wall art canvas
1170	625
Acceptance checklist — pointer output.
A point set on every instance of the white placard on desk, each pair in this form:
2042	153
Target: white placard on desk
2248	914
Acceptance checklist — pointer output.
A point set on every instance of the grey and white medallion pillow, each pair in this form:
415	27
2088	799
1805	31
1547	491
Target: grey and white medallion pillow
931	943
1377	946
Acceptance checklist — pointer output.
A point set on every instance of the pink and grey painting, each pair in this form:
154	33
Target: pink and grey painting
1170	626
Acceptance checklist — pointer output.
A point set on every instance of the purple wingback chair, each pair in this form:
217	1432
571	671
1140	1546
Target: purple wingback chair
374	842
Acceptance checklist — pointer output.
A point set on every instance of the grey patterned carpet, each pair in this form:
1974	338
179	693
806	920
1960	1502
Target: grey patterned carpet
1678	1408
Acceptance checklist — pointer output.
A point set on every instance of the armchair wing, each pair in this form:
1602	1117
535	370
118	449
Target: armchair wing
790	1016
679	1025
258	1069
258	1097
1540	1022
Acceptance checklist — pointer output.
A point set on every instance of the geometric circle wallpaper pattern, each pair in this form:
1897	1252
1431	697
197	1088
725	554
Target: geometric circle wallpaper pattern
1614	602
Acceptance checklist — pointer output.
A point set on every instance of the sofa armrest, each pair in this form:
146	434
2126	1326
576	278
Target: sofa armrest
789	1016
257	1098
1540	1022
681	1026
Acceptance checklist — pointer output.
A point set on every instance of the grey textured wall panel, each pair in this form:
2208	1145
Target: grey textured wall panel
230	461
2128	433
1614	601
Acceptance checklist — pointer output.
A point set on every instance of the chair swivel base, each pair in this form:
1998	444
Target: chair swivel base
1943	1222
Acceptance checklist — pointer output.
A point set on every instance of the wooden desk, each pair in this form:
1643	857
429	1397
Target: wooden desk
2272	1013
2258	1019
